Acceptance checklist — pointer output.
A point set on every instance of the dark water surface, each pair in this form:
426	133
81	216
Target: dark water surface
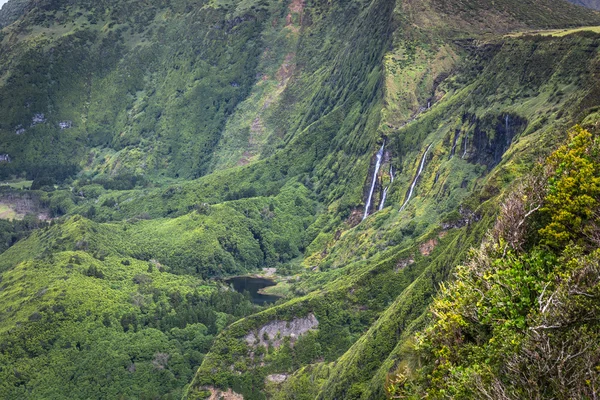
253	285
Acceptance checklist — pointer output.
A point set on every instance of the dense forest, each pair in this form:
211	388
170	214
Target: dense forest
414	186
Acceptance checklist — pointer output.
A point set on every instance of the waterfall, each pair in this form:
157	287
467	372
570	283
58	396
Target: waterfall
506	119
377	166
385	191
453	151
412	187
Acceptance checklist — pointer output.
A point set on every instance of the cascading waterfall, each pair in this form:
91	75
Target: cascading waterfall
506	119
456	136
377	166
385	191
412	187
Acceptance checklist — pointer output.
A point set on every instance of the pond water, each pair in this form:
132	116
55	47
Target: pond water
253	285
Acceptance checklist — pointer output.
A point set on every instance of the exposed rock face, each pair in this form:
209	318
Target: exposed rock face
275	331
65	124
277	378
217	394
4	158
488	138
427	247
401	264
38	118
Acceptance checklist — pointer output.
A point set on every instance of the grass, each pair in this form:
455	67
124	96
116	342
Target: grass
557	32
377	269
19	185
9	213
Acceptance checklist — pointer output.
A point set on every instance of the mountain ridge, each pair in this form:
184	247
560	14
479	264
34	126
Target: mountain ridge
587	3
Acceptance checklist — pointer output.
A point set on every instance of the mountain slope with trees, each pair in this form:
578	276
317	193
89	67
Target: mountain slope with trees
171	144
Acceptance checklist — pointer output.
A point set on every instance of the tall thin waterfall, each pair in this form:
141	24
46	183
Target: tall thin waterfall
377	166
506	120
385	191
456	135
412	187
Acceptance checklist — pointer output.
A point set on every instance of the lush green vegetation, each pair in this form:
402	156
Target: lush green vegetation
78	326
171	144
414	250
519	320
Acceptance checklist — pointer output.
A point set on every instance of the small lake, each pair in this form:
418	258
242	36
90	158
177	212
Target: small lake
253	284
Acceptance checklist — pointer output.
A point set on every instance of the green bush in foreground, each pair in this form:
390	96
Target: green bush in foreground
521	319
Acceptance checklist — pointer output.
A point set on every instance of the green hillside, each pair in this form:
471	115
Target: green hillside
151	149
11	11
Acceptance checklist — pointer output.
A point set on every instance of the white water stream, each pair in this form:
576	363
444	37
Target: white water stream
377	166
385	191
412	187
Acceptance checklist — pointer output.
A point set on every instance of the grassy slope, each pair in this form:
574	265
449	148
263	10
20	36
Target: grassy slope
230	238
487	333
350	377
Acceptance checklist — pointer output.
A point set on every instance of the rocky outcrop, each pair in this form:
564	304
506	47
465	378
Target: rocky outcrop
38	118
274	332
218	394
489	137
65	124
277	378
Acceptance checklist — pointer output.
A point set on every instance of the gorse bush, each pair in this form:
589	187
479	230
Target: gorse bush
573	189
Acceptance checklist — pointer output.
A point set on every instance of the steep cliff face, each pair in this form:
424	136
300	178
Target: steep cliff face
12	10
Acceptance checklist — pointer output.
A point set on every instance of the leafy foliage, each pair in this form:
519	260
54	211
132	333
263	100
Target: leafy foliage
574	188
516	323
112	326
